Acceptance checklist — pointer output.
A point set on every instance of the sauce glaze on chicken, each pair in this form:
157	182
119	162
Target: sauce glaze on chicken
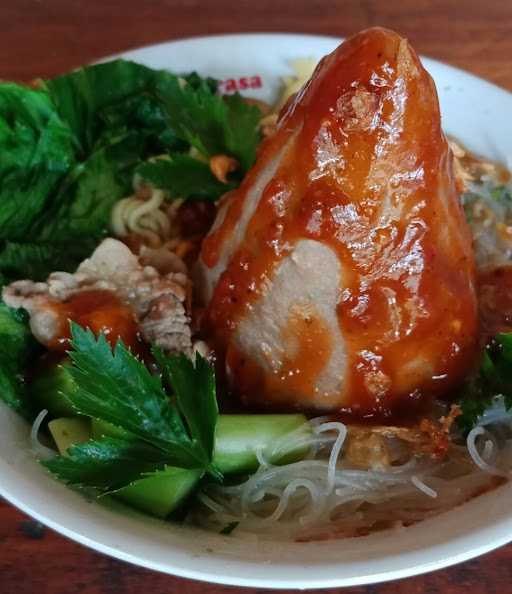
340	275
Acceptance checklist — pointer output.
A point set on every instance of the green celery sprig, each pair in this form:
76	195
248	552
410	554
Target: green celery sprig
114	386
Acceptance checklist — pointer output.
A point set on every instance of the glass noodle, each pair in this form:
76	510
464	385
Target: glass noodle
323	497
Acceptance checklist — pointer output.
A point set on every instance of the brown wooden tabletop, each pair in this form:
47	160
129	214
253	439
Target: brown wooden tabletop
47	37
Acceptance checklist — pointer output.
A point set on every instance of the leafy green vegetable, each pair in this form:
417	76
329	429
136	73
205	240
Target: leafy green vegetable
82	207
107	464
15	336
242	130
53	209
36	260
195	81
107	102
70	148
210	123
152	449
80	96
194	388
36	149
474	401
116	387
501	194
16	346
143	117
100	428
183	176
494	379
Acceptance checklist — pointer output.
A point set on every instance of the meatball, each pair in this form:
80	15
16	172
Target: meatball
340	275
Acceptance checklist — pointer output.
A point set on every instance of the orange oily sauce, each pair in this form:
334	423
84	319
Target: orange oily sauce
101	311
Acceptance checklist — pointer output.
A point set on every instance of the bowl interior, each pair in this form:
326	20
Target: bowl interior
474	111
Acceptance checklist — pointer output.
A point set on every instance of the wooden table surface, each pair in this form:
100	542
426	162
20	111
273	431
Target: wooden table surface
47	37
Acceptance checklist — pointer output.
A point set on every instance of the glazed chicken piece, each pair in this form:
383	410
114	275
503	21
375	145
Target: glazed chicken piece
340	275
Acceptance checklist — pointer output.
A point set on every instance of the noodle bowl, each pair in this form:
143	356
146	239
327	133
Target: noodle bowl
263	559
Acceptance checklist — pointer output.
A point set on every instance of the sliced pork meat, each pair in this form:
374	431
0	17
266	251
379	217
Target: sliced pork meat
113	292
340	275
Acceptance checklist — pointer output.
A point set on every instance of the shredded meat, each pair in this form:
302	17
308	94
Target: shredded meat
379	447
426	438
365	448
158	300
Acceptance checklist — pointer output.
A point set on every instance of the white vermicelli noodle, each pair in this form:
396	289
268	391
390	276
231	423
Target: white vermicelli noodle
417	482
209	503
288	492
260	456
39	449
336	449
480	459
323	497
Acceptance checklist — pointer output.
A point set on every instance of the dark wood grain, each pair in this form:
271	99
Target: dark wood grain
35	561
47	37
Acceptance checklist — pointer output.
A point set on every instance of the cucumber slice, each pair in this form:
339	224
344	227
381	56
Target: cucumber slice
277	437
158	494
69	431
161	493
50	390
280	438
239	437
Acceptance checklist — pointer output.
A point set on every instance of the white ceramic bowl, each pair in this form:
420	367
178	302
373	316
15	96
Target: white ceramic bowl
476	112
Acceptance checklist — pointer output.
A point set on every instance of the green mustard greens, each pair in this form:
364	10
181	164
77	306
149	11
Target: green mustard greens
71	146
17	346
493	379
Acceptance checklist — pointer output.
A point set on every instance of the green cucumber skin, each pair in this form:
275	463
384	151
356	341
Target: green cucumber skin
49	390
161	493
238	438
